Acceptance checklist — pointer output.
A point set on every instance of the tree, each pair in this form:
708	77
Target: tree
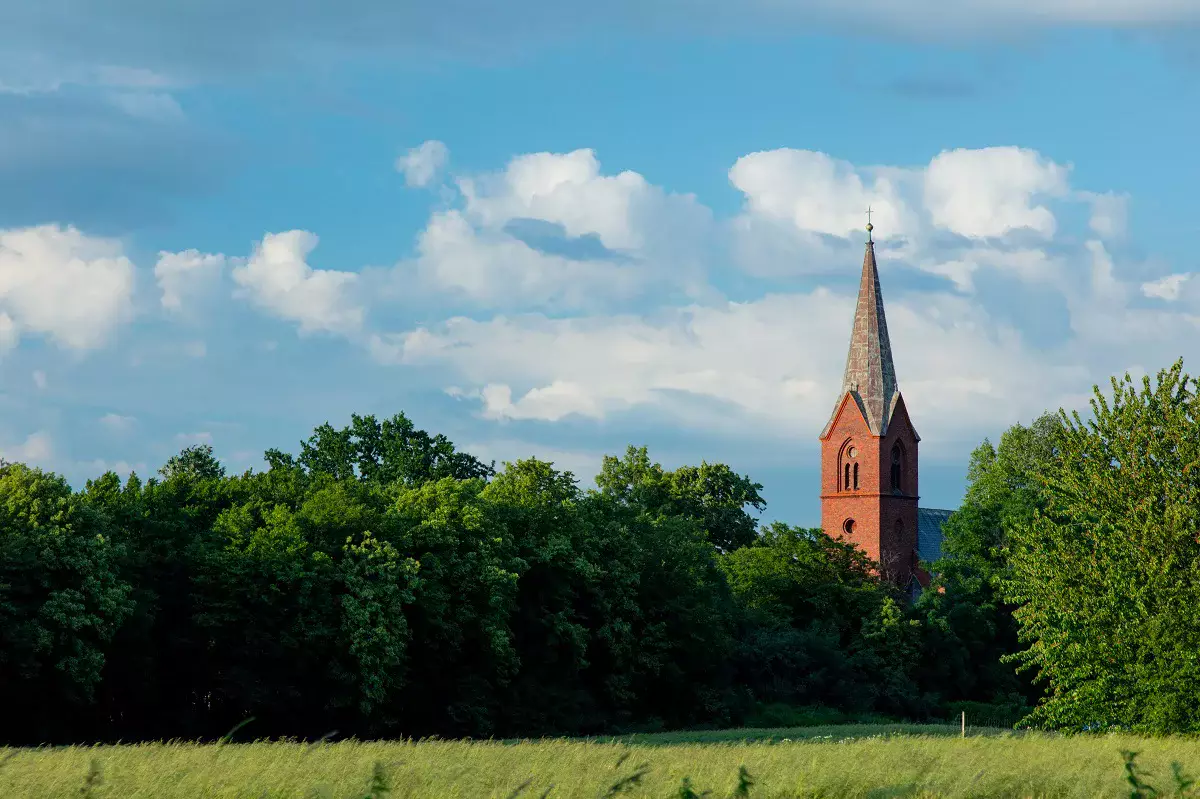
391	451
969	628
62	601
821	628
462	602
712	494
1107	575
197	461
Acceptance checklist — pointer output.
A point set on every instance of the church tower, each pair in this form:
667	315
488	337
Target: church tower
869	446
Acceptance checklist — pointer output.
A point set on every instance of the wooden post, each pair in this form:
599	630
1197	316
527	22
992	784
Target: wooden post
964	724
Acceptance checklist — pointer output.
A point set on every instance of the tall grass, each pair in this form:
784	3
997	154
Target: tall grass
850	762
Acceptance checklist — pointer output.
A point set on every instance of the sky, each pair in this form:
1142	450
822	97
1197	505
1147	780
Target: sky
556	229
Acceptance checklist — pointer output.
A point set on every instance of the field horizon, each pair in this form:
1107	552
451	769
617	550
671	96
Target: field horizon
898	760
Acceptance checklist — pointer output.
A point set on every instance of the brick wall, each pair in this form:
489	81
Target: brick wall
873	506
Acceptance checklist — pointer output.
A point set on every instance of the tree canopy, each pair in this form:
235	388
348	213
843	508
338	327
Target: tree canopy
383	582
1106	573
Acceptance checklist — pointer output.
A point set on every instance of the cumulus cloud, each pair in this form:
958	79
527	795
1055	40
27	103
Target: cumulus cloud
99	466
185	274
492	267
816	193
36	450
58	282
1166	288
1110	214
990	192
965	210
773	364
551	229
585	465
278	279
117	423
421	165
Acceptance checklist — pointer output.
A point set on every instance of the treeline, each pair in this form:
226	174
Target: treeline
383	583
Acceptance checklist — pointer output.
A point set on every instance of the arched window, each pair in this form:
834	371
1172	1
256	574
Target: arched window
897	469
849	467
899	531
848	527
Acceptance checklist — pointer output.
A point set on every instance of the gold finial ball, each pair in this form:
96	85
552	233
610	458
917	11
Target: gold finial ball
870	227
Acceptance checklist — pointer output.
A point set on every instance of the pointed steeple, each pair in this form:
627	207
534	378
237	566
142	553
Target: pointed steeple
870	377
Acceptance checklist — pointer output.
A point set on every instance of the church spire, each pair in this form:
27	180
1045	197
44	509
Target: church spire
870	377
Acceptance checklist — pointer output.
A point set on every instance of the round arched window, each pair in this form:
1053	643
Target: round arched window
848	527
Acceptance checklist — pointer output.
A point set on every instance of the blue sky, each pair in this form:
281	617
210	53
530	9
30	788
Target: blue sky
559	229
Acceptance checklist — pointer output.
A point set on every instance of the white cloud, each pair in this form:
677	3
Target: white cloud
566	189
989	192
10	332
157	107
1110	214
278	279
36	450
805	211
193	439
584	238
421	165
186	274
39	379
819	194
584	465
99	466
63	284
118	423
772	364
491	267
1166	288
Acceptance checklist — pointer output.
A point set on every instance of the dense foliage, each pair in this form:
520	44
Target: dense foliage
1106	573
383	583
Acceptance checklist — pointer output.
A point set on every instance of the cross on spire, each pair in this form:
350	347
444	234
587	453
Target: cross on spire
870	227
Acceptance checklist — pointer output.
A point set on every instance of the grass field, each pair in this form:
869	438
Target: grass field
874	761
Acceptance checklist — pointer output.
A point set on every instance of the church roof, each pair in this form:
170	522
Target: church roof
870	377
929	532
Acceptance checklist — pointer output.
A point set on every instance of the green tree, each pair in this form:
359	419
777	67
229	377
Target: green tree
1107	575
197	461
560	603
713	495
158	677
820	627
462	602
390	451
62	600
969	628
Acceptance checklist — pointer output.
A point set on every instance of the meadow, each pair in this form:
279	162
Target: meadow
870	761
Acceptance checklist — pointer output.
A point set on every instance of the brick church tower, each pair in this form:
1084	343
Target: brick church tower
869	448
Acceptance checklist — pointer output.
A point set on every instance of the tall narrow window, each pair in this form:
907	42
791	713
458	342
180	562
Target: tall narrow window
846	482
897	470
856	477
